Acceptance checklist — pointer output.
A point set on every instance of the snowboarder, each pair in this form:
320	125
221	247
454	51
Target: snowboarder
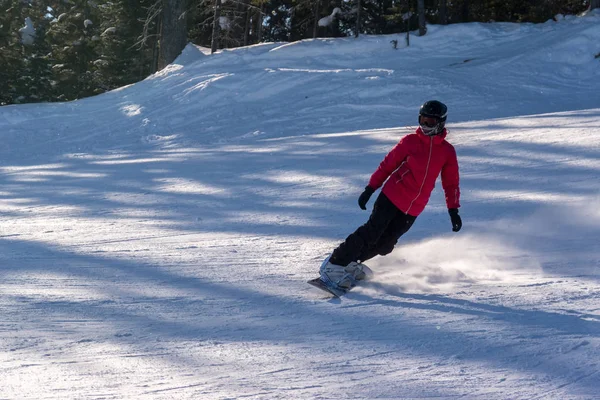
412	167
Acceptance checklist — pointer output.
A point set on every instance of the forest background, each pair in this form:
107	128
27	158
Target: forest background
61	50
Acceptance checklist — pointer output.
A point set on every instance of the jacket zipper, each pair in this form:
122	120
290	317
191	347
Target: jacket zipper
405	172
424	178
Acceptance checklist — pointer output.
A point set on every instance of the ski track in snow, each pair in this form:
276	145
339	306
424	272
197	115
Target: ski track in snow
156	240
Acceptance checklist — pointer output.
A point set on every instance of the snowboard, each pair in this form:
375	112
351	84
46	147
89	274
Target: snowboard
335	292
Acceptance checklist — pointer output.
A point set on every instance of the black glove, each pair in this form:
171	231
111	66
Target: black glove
455	218
365	196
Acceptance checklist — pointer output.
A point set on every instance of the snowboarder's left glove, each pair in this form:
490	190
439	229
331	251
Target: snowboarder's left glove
364	197
455	218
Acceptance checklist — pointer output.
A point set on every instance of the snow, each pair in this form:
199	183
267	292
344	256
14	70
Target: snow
191	53
225	23
109	31
328	20
27	33
156	240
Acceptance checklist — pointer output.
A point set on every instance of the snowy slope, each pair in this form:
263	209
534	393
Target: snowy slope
156	240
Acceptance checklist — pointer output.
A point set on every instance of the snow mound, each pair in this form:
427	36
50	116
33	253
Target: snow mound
191	53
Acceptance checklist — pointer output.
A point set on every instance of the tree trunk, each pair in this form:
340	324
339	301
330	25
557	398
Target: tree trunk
173	36
594	4
465	11
156	47
292	22
316	26
259	22
247	26
357	29
422	26
214	43
443	12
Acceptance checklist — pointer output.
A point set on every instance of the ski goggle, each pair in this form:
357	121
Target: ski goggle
430	122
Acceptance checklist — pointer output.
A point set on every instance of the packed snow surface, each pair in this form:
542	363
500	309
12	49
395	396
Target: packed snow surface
156	240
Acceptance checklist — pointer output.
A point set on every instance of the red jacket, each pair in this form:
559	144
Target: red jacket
413	166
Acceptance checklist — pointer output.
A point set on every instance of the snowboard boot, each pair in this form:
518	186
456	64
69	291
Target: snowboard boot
343	277
357	270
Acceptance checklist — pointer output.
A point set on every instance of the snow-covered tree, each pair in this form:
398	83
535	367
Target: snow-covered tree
24	65
123	54
73	50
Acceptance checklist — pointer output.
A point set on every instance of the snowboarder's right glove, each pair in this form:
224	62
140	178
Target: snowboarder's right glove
455	218
365	196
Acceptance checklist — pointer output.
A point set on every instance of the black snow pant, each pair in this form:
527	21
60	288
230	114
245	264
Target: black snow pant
378	235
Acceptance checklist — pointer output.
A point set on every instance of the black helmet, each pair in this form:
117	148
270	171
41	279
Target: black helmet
436	112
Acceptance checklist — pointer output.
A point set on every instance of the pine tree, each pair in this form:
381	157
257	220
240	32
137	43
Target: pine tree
98	46
24	66
123	56
74	48
10	58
